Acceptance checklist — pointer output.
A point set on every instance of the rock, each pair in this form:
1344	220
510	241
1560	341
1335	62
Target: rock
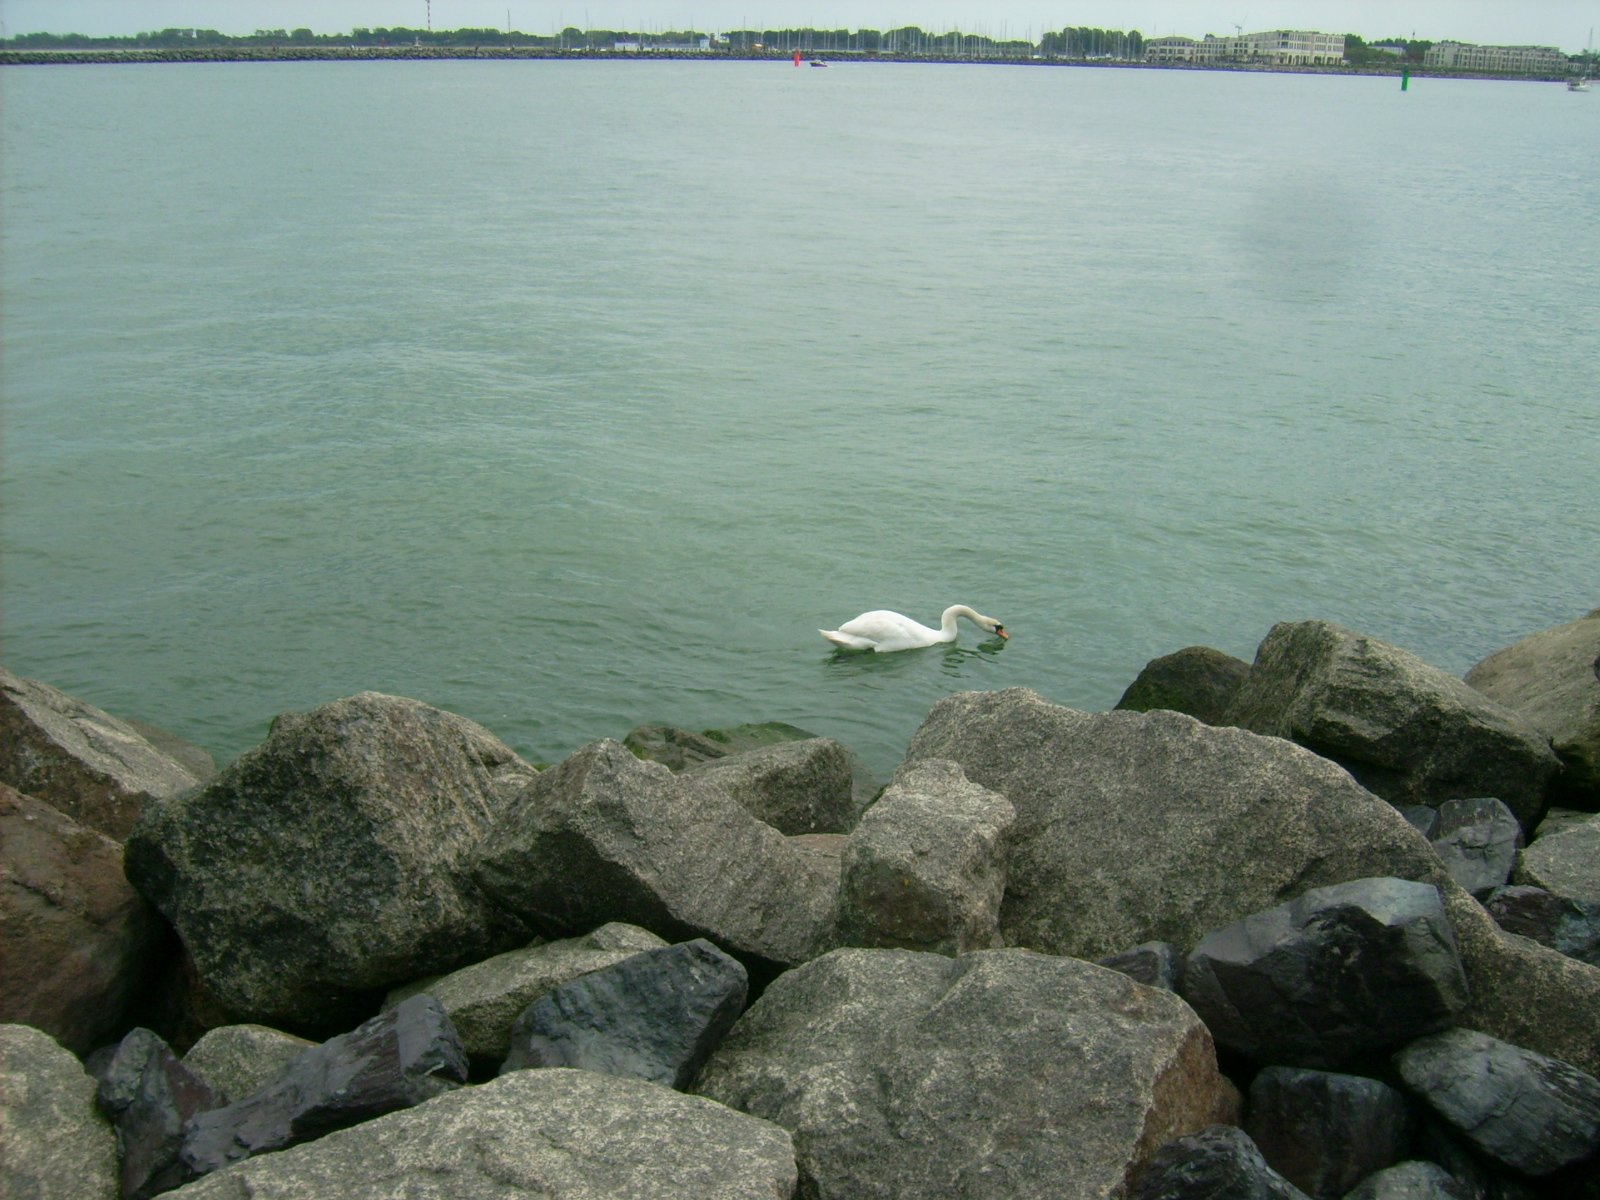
604	836
1534	1113
397	1059
239	1060
1323	1132
796	787
194	759
655	1016
56	1145
925	868
902	1073
1477	840
1423	816
1551	680
1336	972
333	861
1408	731
1154	964
1566	862
1217	1163
485	999
93	767
150	1095
1244	822
1196	680
675	749
1413	1180
1569	926
76	940
564	1135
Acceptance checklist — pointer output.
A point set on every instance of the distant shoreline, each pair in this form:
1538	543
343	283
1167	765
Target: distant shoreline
269	54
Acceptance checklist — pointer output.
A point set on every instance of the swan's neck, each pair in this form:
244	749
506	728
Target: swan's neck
947	623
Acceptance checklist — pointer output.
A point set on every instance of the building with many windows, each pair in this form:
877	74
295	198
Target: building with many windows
1278	47
1462	56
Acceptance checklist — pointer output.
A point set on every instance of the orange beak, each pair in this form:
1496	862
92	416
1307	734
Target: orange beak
1003	633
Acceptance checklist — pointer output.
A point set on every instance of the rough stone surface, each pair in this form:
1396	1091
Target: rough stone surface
1527	1110
1217	1163
1413	1180
238	1060
333	861
1478	840
1335	972
485	999
605	836
557	1135
397	1059
1566	861
1551	680
95	768
1570	926
150	1095
54	1144
925	868
1154	964
1408	731
1196	680
654	1016
1324	1132
903	1073
75	939
796	787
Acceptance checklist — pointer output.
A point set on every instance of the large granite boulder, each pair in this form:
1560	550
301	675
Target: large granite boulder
150	1094
333	861
1000	1073
1196	680
557	1134
796	787
485	999
1178	828
605	836
1566	861
239	1060
76	939
54	1143
925	868
97	769
1406	730
1551	680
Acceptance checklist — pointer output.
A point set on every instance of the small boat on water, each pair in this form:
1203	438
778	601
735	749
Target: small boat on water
817	62
1578	84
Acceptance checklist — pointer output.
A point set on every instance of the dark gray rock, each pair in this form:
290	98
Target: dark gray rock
1534	1113
1336	972
150	1094
561	1135
1478	840
397	1059
1217	1163
1154	964
76	940
796	787
1196	680
1413	1180
605	836
239	1060
1423	816
1324	1132
1551	680
1565	861
675	749
1570	926
925	868
54	1143
1408	731
333	861
656	1015
901	1073
97	769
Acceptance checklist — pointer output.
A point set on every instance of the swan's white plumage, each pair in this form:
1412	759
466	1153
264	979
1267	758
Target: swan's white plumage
883	631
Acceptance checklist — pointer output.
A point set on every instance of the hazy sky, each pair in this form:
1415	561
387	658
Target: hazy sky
1563	23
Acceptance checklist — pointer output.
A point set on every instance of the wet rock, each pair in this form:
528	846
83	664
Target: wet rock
675	749
1534	1113
1477	840
1570	926
1324	1132
95	768
484	1000
925	868
1154	964
1338	971
1196	680
75	938
150	1095
239	1060
1217	1163
901	1073
54	1143
605	836
1566	861
397	1059
1408	731
796	787
333	861
1413	1180
656	1016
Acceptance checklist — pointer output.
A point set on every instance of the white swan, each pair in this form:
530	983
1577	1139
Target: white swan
883	631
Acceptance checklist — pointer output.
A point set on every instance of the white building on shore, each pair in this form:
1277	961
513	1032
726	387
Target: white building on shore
1277	47
1463	56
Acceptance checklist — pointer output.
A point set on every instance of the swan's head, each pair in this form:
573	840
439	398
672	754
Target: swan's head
996	628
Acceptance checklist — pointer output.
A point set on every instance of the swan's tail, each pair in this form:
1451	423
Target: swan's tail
847	640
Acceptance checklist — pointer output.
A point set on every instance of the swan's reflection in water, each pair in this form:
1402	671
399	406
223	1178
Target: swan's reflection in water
956	661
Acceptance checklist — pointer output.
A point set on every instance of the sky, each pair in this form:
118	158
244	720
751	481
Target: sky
1562	23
